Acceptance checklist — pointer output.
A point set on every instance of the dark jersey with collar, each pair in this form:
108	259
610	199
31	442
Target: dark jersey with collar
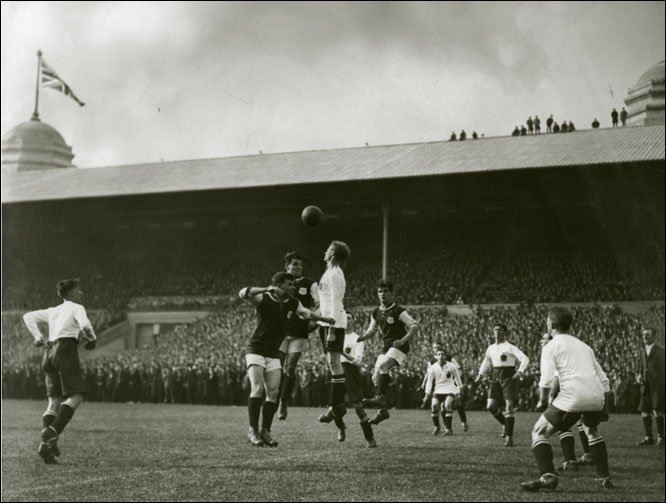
391	326
272	319
297	326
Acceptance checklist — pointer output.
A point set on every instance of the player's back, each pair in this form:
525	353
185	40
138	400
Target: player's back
580	385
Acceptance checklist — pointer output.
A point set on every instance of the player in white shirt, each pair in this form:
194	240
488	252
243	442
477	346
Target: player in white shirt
502	358
332	287
443	375
353	357
60	363
583	385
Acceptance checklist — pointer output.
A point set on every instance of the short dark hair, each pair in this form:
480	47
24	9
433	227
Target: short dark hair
561	318
293	255
502	326
437	343
383	283
280	277
65	286
648	327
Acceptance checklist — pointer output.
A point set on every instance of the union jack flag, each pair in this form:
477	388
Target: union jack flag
49	78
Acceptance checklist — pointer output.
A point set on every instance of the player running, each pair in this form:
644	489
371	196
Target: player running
297	329
444	377
275	306
61	363
397	328
502	357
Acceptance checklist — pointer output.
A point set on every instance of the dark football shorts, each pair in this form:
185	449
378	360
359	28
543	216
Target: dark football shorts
335	345
353	382
503	384
651	400
562	420
62	368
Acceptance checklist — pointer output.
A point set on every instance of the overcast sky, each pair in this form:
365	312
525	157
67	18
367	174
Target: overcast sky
191	80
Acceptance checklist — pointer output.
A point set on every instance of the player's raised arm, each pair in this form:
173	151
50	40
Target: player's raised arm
254	294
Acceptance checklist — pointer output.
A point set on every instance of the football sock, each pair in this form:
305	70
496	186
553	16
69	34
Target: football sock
382	384
543	453
338	390
599	456
647	426
64	415
287	387
435	419
660	425
47	419
497	414
510	421
463	415
448	420
267	413
367	429
583	439
568	447
254	409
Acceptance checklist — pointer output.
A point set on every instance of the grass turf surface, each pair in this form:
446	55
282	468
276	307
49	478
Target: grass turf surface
124	452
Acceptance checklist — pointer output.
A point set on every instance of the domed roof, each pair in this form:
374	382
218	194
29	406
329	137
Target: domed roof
34	131
656	72
35	145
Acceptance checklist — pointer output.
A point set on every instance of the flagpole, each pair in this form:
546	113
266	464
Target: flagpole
35	115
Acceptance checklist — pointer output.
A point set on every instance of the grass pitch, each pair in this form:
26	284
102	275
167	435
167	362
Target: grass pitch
124	452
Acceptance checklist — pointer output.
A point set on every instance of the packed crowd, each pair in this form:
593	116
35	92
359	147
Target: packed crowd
203	362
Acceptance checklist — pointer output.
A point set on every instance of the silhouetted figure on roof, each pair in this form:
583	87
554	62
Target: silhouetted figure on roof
463	135
549	124
571	127
556	128
614	115
453	136
516	132
564	128
595	124
474	135
530	125
623	117
523	131
537	124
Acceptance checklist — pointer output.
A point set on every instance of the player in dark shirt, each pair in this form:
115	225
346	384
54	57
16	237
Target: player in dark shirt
397	328
297	330
275	306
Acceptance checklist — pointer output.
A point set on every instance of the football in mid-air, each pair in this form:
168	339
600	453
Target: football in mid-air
311	215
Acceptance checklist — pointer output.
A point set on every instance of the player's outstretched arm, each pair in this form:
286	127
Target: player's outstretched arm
253	294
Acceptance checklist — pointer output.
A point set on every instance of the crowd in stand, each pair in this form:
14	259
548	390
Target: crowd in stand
203	362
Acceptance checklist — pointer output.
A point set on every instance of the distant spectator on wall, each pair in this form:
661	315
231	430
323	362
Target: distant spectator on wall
474	135
556	128
595	124
614	115
571	127
463	135
537	124
453	136
516	132
623	116
549	124
530	125
564	127
523	131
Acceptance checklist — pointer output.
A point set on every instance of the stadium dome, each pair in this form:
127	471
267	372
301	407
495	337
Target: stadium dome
656	72
34	145
645	101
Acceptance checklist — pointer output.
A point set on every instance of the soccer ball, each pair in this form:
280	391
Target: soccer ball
311	215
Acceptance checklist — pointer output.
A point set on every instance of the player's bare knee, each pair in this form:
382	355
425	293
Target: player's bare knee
74	401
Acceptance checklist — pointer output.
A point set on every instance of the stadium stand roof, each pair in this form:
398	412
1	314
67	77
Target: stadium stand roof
580	148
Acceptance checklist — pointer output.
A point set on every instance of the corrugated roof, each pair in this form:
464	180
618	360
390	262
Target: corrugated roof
588	147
